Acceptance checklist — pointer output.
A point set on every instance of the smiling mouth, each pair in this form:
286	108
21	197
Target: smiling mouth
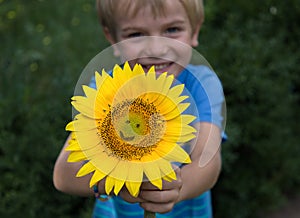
128	139
157	67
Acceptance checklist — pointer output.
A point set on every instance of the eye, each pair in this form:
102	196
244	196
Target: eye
135	34
172	30
137	125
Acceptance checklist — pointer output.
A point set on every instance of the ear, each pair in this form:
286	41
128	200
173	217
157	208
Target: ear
195	35
112	41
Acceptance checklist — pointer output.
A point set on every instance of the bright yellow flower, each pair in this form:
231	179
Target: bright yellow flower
130	128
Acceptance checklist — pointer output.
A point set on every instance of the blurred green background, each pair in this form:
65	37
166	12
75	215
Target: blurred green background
252	45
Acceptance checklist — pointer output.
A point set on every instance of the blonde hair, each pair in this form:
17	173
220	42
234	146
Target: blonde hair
108	9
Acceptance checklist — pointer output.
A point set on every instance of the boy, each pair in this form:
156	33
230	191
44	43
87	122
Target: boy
159	33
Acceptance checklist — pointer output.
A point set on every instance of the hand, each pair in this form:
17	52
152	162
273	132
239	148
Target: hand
126	196
160	201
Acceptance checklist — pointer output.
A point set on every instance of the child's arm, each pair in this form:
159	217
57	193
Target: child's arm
64	176
200	176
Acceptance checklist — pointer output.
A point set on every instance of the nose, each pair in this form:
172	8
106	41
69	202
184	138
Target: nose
156	47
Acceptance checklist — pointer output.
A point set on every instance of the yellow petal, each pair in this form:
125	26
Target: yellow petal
165	147
157	183
109	184
135	172
154	97
149	80
120	77
84	105
118	186
133	187
86	169
88	139
185	138
166	105
170	177
100	79
97	176
137	70
167	178
152	172
176	154
152	70
157	89
70	126
106	88
172	114
179	129
166	169
120	171
127	68
178	138
84	124
150	157
119	73
183	106
89	92
168	82
151	76
104	162
180	99
126	91
73	146
76	156
176	91
186	118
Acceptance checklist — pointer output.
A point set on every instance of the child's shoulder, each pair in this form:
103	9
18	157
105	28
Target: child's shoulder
199	74
200	71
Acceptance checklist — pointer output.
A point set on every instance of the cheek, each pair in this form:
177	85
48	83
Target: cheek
184	54
176	69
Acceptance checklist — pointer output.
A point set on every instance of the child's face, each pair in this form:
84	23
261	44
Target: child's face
164	41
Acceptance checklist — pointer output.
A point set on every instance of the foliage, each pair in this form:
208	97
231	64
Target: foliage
253	48
41	60
255	53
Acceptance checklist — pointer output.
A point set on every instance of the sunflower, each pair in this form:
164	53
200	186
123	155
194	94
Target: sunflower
129	128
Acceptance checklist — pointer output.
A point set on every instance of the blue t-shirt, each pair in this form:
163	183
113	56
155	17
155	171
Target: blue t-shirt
207	104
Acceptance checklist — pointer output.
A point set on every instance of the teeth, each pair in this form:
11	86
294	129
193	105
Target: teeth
161	66
157	67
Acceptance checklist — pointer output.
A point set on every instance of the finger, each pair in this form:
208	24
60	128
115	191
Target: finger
148	186
174	184
160	196
157	208
125	195
166	185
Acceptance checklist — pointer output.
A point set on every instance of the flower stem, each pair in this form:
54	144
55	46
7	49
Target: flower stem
148	214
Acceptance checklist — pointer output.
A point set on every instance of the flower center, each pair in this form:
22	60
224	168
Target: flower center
132	129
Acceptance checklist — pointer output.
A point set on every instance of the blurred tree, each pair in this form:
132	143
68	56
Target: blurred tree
254	50
42	55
